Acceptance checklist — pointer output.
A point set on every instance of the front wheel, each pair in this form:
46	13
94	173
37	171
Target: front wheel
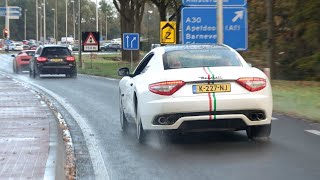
262	131
123	120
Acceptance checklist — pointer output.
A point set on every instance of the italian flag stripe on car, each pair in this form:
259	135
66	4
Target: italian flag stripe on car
214	96
209	94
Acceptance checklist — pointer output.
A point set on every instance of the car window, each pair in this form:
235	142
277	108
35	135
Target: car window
140	68
55	51
38	50
30	53
191	58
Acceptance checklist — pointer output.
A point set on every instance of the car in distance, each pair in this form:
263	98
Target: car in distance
15	47
111	47
185	88
53	59
21	60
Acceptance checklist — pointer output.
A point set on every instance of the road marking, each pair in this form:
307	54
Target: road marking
313	132
274	119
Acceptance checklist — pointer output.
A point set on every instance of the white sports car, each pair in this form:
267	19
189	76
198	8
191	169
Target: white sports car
195	88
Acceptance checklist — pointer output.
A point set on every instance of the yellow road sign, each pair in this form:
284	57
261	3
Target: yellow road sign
168	32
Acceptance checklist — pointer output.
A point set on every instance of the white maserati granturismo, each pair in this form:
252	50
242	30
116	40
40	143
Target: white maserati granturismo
195	88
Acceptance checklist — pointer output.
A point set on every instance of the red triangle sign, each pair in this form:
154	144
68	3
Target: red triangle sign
91	40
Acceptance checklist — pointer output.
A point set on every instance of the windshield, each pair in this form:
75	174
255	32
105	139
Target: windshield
200	58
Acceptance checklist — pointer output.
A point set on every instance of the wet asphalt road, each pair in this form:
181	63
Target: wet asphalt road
291	153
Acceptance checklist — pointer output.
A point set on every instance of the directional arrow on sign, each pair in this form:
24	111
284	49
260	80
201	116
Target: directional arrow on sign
239	15
134	38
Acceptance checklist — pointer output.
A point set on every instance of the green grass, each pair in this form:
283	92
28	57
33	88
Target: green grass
295	98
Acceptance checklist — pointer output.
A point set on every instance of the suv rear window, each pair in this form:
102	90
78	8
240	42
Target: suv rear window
192	58
55	52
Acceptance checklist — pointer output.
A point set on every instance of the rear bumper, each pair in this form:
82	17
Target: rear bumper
56	69
232	112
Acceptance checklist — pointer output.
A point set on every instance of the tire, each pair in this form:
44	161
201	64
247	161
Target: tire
141	134
14	67
123	120
18	70
262	131
74	74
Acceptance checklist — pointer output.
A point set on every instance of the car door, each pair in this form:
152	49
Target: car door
131	86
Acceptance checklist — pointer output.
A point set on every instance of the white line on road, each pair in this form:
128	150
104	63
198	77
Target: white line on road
274	119
313	132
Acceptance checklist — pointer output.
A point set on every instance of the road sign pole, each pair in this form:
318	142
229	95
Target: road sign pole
131	61
7	25
220	21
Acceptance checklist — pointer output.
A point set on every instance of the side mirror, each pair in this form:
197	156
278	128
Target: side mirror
249	64
123	71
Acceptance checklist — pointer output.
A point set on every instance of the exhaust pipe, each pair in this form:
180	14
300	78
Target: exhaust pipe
253	116
261	116
162	121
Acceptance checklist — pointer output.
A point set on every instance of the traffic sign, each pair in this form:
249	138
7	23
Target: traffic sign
11	8
168	32
213	2
199	26
130	41
90	41
14	12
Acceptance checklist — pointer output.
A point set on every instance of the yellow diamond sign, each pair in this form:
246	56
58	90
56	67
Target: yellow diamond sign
168	32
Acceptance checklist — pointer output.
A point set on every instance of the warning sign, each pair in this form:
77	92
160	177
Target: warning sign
168	32
90	41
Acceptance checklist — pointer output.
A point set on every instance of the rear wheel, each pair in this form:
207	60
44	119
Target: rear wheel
141	134
262	131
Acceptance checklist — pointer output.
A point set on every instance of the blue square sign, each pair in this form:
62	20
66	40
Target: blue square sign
199	25
130	41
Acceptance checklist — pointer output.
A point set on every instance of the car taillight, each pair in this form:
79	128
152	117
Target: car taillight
252	83
166	88
41	59
70	58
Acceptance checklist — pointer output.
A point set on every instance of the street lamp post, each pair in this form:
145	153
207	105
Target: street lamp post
149	12
37	23
74	22
66	20
54	24
44	21
97	16
106	27
25	24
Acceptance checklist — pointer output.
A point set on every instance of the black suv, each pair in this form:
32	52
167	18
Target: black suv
111	47
53	59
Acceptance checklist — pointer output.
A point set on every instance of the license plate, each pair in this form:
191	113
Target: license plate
56	60
211	88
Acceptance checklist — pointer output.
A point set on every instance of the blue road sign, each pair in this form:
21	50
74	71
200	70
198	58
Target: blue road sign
131	41
11	8
13	11
3	13
213	2
199	25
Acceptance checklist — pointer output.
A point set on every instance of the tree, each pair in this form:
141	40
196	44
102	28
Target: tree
131	13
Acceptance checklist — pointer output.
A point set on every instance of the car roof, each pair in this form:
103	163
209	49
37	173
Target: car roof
176	47
53	45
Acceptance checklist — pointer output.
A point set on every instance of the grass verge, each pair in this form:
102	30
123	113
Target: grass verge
295	98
